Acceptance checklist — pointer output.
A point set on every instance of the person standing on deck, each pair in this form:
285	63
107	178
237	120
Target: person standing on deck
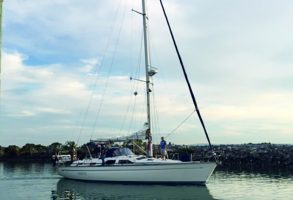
163	145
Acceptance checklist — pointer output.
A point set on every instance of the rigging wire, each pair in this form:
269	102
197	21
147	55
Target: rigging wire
155	110
186	78
140	148
131	85
135	85
135	114
126	113
95	81
109	72
180	124
132	115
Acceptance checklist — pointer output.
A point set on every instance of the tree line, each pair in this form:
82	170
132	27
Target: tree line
34	152
243	156
41	153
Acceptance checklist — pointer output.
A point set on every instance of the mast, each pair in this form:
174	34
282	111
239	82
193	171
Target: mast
146	55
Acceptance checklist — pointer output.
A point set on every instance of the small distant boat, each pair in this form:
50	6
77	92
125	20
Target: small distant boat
122	165
60	159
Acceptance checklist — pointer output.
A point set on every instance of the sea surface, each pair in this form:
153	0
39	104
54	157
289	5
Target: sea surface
41	181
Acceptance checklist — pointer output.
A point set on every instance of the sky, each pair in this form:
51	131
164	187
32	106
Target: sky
66	68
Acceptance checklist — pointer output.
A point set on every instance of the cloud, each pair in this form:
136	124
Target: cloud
36	87
66	69
89	65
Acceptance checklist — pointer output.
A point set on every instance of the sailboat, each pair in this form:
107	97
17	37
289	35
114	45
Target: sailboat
122	165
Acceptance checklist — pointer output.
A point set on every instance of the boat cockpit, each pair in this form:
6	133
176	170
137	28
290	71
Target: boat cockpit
120	156
113	156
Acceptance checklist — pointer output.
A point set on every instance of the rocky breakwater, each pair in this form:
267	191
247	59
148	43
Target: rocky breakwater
248	156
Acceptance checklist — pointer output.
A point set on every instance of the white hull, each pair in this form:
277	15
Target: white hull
177	173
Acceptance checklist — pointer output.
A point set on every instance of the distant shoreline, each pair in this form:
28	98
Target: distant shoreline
22	160
263	156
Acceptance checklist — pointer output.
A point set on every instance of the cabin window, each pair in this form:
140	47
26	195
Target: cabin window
125	162
140	158
114	152
110	162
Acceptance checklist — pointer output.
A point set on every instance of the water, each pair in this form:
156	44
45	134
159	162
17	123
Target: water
40	181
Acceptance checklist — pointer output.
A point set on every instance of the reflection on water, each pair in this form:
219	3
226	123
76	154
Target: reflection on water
23	181
13	170
71	189
243	185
